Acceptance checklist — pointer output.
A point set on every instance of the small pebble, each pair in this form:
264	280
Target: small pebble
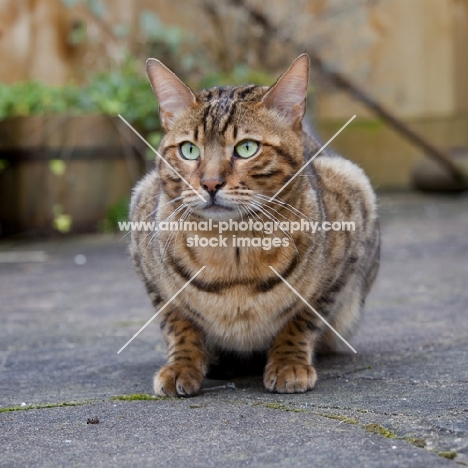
80	259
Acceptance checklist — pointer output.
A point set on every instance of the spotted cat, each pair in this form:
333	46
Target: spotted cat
230	150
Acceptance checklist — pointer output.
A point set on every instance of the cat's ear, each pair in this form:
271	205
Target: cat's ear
173	95
288	95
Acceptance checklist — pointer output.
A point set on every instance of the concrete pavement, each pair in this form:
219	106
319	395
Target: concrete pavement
402	400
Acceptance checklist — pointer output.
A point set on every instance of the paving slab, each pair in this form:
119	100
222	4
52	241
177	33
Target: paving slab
197	433
402	400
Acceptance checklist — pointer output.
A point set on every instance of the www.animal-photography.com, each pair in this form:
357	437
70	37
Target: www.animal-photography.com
233	233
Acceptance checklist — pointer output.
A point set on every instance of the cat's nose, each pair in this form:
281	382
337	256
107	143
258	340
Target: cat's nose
213	185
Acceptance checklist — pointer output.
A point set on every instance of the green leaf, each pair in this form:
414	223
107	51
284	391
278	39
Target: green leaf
63	223
154	138
57	167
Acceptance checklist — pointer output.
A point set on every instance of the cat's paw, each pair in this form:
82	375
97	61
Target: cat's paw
289	378
177	380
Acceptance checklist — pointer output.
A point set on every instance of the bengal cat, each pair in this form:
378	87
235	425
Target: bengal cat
236	147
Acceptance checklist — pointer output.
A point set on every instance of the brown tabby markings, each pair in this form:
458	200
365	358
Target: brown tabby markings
238	304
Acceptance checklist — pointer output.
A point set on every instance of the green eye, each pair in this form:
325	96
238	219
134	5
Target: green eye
246	148
189	150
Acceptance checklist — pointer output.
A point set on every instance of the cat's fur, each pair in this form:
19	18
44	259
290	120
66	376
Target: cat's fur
237	303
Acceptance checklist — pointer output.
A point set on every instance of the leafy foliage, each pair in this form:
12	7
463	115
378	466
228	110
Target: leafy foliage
241	74
115	213
125	91
122	91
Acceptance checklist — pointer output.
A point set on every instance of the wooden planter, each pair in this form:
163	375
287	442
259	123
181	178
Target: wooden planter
64	167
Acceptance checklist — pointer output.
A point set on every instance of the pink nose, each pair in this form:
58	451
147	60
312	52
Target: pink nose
213	185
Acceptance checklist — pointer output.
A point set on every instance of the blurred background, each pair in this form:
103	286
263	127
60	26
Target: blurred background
69	67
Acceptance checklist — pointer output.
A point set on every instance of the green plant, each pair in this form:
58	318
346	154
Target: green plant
241	74
124	91
118	212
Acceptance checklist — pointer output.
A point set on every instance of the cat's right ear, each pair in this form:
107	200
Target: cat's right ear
173	95
288	95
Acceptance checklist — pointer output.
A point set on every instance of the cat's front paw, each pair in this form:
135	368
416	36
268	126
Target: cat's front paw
289	378
177	380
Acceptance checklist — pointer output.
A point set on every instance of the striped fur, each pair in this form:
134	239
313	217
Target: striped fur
237	304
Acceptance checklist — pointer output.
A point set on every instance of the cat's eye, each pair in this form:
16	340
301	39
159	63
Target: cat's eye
189	150
246	148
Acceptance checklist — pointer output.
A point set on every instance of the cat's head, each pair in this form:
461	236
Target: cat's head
234	146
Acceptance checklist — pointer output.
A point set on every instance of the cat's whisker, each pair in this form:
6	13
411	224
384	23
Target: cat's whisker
152	212
287	219
269	207
171	235
190	198
277	199
264	199
240	212
165	204
257	216
174	214
145	249
156	232
245	208
158	207
294	209
270	216
151	198
171	215
186	214
167	243
276	221
287	206
177	210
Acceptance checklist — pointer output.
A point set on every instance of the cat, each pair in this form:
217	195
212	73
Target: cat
233	149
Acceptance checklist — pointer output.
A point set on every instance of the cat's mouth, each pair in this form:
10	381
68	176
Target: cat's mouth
216	211
214	207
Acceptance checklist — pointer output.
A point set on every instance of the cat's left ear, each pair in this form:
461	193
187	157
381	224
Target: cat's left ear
173	95
289	94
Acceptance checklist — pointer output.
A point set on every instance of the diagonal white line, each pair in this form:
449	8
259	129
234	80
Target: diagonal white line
161	309
160	157
313	157
313	310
